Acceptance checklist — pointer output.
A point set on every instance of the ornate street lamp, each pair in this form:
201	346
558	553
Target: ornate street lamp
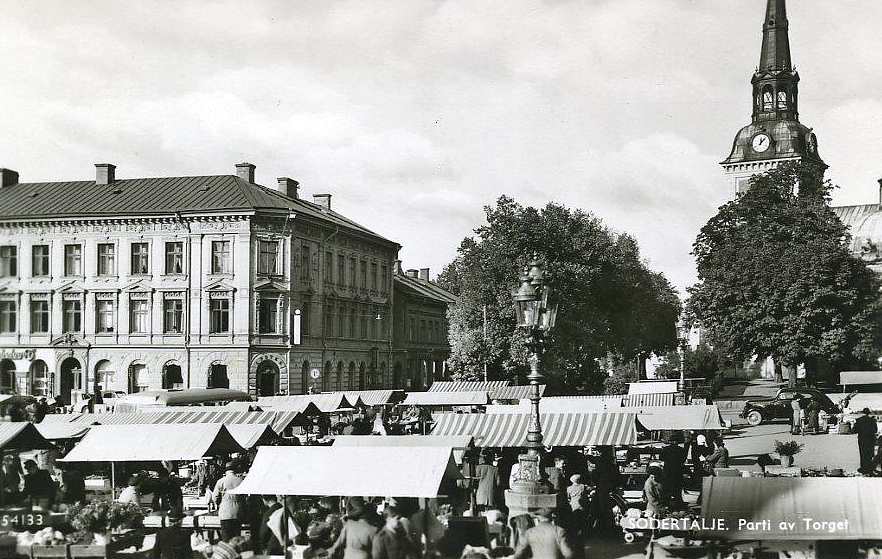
682	339
536	314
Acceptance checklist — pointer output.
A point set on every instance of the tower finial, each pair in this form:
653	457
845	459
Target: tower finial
775	53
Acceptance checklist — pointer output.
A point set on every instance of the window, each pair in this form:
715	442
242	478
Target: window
8	317
174	258
304	318
768	102
411	332
364	284
364	325
782	98
138	378
220	257
372	324
341	323
268	316
329	265
384	275
73	260
8	261
220	316
40	261
352	273
105	317
352	331
374	276
39	316
106	257
305	262
268	257
139	315
341	269
140	259
72	315
173	315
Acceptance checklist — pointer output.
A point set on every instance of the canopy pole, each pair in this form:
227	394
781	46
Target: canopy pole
2	483
112	481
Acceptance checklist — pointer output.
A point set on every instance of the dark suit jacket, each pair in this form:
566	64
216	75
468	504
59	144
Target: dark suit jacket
864	426
172	542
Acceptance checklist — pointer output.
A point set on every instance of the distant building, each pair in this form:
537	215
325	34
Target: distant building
210	281
420	343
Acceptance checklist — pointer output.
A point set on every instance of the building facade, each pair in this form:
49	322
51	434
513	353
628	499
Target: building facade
209	281
421	346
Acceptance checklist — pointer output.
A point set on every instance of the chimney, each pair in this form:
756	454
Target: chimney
323	200
413	273
245	171
105	173
398	269
424	274
288	187
8	177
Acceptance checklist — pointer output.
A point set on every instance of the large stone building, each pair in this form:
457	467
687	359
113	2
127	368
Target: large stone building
188	282
420	343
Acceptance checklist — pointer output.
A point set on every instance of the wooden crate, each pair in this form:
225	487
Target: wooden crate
53	551
88	551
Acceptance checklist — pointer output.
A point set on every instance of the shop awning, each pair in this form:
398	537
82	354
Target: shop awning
350	471
659	399
459	443
56	430
327	403
514	392
561	404
151	442
652	387
21	435
792	500
446	398
249	435
558	429
658	418
467	386
280	420
860	377
375	397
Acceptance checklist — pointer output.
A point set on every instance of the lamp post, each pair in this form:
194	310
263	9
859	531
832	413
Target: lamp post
535	317
682	339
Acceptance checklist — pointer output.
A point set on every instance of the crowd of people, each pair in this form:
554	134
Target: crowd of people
28	484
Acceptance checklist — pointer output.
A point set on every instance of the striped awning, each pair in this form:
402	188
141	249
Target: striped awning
514	392
327	403
468	386
558	429
663	399
279	420
561	404
446	398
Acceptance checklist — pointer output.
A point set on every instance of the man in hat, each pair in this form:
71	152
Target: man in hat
865	427
173	541
356	539
545	539
230	507
654	493
674	458
720	457
39	488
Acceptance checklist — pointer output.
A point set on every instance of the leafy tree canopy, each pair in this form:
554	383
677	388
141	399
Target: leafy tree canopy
609	300
776	276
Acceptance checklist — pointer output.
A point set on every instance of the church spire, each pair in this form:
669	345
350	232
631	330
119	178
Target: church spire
776	42
775	90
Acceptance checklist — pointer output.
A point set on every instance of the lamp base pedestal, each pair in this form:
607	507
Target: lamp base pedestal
524	503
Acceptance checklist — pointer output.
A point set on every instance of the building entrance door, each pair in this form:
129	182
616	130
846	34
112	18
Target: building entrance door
70	376
267	379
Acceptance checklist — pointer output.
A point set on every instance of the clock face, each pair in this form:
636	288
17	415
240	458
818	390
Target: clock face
761	142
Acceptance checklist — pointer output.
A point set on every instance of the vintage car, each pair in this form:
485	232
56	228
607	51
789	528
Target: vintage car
769	409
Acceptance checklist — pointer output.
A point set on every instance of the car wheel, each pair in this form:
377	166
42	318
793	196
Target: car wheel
754	418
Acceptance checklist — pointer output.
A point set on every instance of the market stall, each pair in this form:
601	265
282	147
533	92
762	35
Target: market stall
561	404
468	386
559	429
373	398
514	393
333	402
657	399
679	418
459	443
778	513
281	421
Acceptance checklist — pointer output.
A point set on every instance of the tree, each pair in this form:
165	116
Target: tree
610	302
776	276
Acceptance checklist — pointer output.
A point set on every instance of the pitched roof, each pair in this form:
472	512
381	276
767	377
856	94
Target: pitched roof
423	288
156	196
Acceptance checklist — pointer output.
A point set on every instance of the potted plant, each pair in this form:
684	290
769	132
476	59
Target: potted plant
786	450
100	518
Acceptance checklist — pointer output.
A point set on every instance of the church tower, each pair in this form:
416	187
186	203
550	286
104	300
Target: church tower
775	133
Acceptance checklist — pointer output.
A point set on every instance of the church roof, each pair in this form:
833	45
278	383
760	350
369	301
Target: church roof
790	139
423	288
865	224
156	196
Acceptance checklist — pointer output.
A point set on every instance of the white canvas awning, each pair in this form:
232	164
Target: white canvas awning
249	435
652	387
459	443
350	471
446	398
658	418
327	403
561	404
55	430
860	377
151	442
21	435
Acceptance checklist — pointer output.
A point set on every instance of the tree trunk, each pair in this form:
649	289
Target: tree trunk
791	376
779	373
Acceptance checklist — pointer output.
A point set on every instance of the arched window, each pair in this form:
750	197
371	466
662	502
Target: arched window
340	375
326	376
138	380
768	100
7	376
39	378
380	376
362	370
398	375
218	376
105	374
304	377
352	385
782	97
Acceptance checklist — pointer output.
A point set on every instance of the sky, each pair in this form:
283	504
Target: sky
415	114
